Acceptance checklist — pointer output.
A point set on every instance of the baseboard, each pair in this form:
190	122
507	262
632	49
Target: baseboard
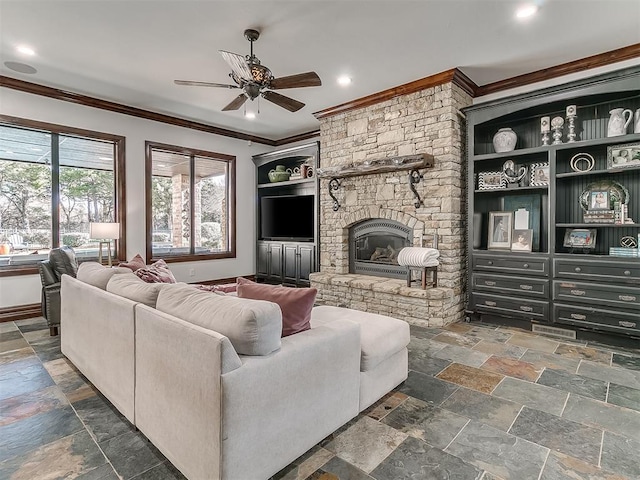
20	312
220	281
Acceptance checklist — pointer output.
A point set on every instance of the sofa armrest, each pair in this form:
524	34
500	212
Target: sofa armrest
276	407
178	368
51	303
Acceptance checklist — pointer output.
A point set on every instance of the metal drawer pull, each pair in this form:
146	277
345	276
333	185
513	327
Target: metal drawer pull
489	282
578	269
627	324
489	303
490	262
627	298
524	308
526	265
578	292
526	287
578	316
627	272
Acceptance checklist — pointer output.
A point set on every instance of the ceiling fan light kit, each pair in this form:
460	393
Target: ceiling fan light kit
256	80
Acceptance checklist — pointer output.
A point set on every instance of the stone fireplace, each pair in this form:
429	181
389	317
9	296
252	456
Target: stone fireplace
378	211
374	245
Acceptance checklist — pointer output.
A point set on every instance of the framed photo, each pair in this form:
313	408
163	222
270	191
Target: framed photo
521	240
580	238
491	180
500	226
539	174
623	156
533	205
599	200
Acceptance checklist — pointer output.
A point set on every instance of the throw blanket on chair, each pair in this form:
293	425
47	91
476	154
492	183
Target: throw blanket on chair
418	257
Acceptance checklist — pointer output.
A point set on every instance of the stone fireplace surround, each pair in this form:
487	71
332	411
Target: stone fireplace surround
429	122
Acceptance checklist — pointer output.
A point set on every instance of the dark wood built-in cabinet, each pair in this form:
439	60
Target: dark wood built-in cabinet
555	284
288	260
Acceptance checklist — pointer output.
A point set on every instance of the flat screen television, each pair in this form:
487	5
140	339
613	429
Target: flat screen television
287	217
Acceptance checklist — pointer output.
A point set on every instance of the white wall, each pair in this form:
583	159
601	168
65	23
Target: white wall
22	290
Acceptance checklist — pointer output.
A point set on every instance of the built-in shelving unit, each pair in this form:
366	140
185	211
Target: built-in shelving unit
287	259
591	288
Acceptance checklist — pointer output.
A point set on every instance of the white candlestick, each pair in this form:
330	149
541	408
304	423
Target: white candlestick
545	124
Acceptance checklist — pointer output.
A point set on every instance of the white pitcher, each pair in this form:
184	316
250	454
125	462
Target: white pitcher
618	122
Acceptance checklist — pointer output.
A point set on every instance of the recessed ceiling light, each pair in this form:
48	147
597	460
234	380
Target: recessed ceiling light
344	80
24	49
250	115
526	11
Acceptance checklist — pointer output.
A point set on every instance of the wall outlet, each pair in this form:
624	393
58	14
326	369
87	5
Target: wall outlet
192	272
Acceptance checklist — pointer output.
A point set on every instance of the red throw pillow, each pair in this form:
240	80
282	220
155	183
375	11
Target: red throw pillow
295	303
157	273
135	263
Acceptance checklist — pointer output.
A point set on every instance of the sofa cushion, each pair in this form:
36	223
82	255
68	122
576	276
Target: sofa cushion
252	326
380	336
157	273
295	303
98	275
135	263
130	286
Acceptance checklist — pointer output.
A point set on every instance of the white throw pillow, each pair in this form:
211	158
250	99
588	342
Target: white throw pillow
130	286
254	327
97	274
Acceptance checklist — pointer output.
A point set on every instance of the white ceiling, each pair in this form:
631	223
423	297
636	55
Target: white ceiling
130	51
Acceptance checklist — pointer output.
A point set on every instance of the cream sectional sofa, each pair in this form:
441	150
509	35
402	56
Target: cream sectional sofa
207	378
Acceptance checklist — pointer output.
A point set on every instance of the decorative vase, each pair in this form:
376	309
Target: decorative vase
505	140
618	122
279	174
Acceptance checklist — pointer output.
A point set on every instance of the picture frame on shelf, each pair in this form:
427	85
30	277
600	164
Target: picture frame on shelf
623	156
580	238
499	231
533	205
599	200
491	180
539	174
521	240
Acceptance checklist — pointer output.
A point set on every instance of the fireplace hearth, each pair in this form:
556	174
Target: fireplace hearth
374	245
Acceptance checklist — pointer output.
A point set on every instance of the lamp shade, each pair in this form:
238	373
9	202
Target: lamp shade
104	231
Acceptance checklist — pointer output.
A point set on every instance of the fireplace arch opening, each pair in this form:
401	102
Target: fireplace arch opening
374	245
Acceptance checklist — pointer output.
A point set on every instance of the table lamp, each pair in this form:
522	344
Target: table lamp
105	232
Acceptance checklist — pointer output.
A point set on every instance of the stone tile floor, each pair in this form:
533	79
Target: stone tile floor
481	402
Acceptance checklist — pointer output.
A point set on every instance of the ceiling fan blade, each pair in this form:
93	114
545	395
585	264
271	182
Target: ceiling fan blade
238	65
309	79
236	103
203	84
282	101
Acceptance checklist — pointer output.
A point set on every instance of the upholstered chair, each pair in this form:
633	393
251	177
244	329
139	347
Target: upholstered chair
61	260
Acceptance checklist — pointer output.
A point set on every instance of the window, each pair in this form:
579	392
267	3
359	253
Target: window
190	203
54	181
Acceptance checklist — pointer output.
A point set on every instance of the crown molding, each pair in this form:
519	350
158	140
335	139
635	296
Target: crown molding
453	75
600	60
87	101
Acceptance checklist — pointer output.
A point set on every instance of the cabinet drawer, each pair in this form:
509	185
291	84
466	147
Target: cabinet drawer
534	287
598	318
598	294
627	272
512	264
511	306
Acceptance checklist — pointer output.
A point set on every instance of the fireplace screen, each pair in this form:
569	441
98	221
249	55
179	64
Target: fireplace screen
374	246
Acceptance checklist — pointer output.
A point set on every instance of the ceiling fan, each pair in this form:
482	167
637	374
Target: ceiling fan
256	79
